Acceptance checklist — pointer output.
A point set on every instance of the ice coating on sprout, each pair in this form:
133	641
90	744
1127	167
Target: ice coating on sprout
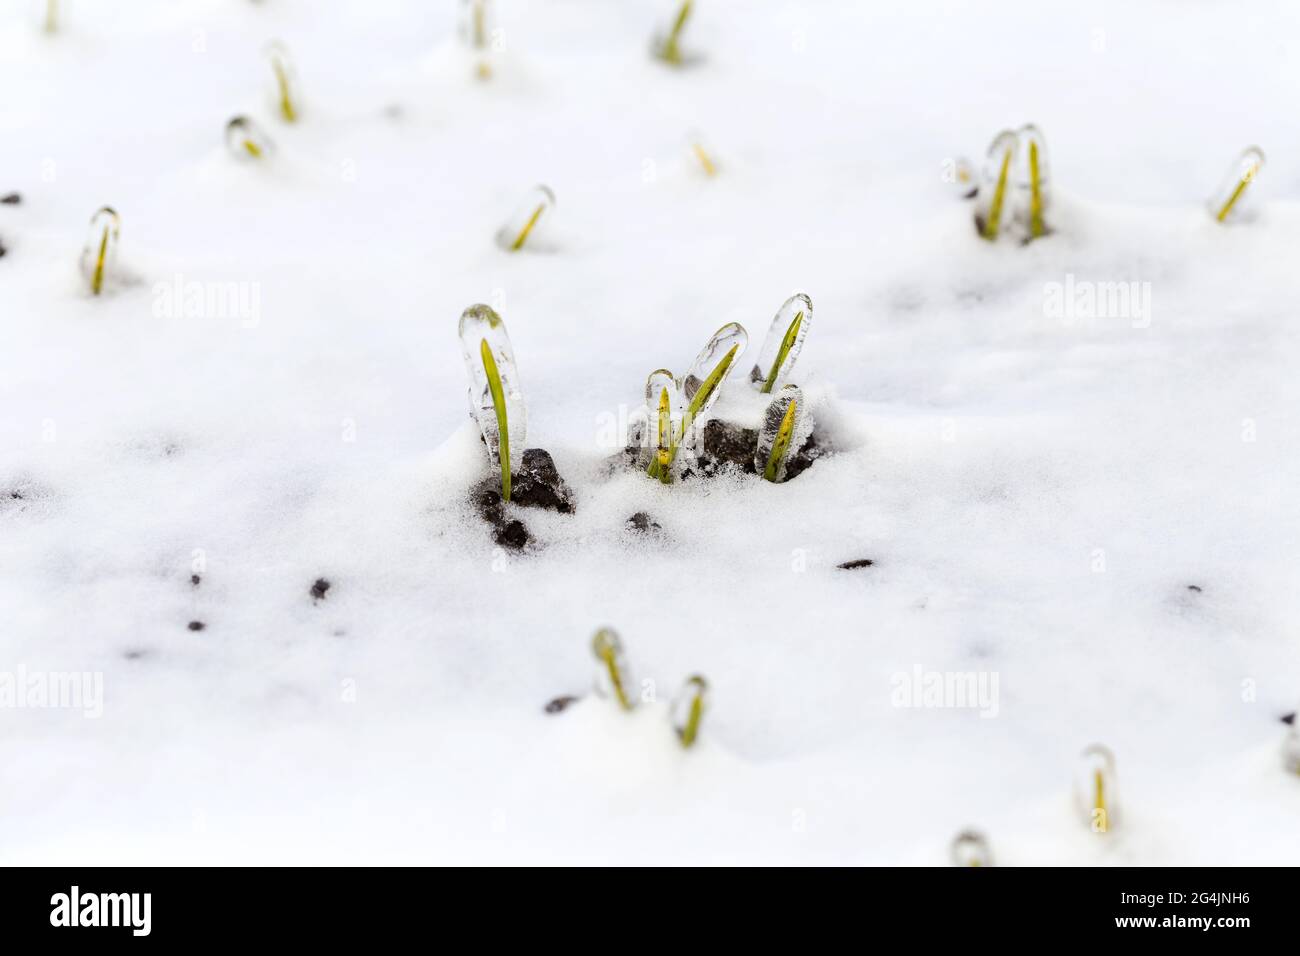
613	677
475	24
1094	788
476	29
480	324
1033	180
700	385
100	252
783	344
524	223
970	848
286	81
246	140
688	709
991	212
1230	201
664	413
786	427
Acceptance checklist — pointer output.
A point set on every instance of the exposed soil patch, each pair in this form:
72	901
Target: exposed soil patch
537	484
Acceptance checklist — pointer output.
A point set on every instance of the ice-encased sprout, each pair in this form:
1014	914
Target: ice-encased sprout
286	81
1095	788
786	426
613	677
990	207
664	413
667	43
520	226
784	342
688	709
1229	201
701	384
970	848
476	29
100	252
699	388
495	399
1033	180
245	139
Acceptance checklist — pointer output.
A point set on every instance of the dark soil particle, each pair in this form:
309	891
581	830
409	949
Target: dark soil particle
319	589
643	523
513	534
1289	719
197	625
559	704
135	654
537	484
1194	587
858	563
11	199
195	579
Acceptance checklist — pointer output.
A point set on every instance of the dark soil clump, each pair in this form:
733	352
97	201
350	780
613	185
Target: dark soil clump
537	484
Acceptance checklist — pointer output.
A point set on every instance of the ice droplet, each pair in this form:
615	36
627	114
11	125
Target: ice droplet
480	324
784	342
786	427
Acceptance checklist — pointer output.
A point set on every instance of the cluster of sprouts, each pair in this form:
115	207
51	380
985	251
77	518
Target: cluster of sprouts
614	682
1094	797
677	406
1013	196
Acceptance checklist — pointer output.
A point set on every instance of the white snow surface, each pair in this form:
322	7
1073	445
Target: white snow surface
1037	494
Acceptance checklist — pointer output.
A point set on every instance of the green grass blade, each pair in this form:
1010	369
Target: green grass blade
999	194
787	344
499	403
782	443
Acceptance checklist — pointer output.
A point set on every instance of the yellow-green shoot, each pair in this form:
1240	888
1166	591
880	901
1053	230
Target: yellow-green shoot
613	677
1243	174
282	67
499	402
669	48
104	227
689	710
1001	155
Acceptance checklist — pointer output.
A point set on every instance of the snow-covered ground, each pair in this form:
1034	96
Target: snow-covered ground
1097	512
